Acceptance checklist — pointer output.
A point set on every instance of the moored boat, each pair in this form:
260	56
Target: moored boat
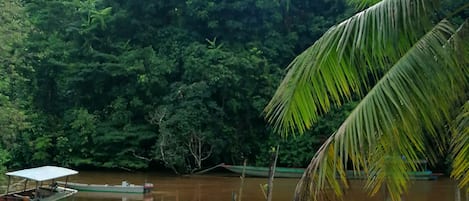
43	190
123	188
264	171
298	172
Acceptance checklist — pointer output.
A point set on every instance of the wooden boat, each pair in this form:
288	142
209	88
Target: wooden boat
42	190
264	171
123	188
298	172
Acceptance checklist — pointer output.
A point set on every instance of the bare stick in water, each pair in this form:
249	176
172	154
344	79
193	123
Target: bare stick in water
272	173
242	181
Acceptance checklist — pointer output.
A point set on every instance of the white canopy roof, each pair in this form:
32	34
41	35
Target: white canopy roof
43	173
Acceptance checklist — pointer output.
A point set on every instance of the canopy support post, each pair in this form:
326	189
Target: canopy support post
8	185
25	184
37	190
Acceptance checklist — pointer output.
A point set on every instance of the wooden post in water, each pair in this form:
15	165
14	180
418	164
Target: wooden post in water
467	195
241	186
263	190
273	164
457	194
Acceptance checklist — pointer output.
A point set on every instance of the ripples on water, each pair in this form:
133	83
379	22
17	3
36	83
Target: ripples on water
221	187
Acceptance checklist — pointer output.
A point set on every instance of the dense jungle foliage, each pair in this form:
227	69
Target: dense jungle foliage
152	84
147	84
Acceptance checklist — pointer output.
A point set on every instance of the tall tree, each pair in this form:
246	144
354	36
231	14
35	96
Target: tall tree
409	65
14	92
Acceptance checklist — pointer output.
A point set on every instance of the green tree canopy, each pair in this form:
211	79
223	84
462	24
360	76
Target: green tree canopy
81	78
15	100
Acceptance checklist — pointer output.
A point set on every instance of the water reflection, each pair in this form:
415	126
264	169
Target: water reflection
113	196
221	187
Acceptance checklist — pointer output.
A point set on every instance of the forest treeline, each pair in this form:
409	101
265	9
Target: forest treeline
139	84
146	84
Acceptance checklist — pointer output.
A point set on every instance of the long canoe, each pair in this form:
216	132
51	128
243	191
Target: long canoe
298	172
264	171
124	188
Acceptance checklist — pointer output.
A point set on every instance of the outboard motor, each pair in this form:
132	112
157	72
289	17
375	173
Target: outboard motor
147	187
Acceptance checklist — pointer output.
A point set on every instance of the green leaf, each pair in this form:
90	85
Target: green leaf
339	64
460	148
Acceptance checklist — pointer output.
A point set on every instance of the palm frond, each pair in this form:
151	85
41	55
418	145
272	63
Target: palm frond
460	129
338	65
460	149
384	135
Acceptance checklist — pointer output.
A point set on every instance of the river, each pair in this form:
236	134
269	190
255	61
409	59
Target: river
220	188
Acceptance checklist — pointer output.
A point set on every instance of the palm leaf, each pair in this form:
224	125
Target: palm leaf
338	65
460	128
419	79
460	149
412	99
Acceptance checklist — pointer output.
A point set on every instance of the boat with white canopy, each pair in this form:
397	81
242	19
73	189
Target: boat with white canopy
45	189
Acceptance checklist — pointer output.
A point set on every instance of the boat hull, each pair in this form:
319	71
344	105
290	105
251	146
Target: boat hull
264	171
283	172
44	194
108	188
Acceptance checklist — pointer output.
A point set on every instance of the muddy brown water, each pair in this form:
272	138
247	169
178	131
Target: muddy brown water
220	188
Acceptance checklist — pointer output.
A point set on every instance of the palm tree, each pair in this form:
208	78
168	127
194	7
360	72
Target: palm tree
409	67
